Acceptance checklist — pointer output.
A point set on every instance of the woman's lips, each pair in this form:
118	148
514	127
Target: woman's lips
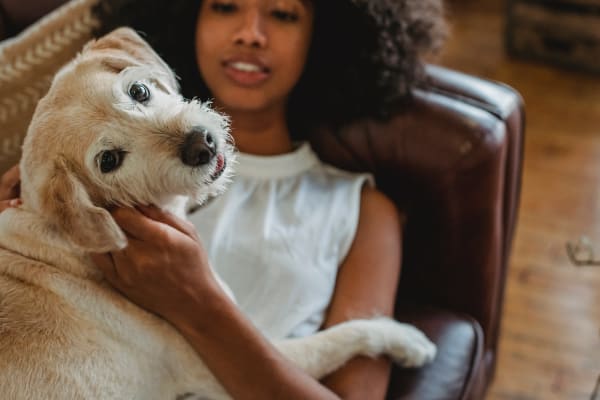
246	73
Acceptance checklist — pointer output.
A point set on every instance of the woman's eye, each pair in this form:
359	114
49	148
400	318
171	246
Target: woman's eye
223	7
285	16
110	160
139	92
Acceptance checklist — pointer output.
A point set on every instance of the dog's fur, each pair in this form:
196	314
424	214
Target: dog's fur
64	333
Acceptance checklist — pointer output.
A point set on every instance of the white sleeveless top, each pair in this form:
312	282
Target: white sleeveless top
278	235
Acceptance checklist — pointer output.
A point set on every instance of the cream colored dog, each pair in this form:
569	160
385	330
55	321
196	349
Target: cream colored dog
114	130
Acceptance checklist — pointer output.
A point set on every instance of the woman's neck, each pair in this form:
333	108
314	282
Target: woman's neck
260	133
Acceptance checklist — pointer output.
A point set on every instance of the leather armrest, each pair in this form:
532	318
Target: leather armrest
455	373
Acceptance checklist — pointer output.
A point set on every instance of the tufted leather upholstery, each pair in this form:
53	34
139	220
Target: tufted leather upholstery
451	160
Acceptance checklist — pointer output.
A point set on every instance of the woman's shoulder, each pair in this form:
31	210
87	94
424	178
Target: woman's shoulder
378	210
373	199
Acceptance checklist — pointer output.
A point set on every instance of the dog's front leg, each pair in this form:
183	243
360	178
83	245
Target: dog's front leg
326	351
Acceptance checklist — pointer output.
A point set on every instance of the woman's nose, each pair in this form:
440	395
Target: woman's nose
252	31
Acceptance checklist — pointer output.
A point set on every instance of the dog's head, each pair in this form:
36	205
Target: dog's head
114	130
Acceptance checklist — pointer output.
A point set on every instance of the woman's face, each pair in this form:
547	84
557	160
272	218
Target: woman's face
251	53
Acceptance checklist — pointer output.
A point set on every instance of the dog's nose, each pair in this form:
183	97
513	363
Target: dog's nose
199	148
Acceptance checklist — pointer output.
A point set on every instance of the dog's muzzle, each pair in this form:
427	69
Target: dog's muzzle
199	148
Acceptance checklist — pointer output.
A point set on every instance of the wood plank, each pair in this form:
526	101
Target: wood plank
550	335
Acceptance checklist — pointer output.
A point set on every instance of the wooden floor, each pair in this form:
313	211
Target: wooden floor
550	340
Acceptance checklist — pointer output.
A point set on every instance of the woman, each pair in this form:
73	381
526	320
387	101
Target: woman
303	245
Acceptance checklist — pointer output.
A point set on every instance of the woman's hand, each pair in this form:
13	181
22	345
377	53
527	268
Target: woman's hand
10	188
164	267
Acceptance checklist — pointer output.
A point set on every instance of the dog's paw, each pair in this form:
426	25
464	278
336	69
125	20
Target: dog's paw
407	345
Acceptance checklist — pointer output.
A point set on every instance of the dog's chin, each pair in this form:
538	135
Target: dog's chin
205	192
198	184
212	185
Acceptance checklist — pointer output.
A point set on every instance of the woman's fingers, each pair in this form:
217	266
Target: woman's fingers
105	263
9	183
11	176
151	223
12	203
169	218
137	225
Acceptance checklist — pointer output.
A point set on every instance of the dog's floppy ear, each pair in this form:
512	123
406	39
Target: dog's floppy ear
124	48
66	202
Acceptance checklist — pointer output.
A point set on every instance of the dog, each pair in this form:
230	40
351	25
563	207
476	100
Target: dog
114	130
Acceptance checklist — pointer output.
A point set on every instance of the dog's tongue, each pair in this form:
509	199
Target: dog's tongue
220	163
219	167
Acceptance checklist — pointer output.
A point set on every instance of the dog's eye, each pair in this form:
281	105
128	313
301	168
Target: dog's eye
111	160
139	92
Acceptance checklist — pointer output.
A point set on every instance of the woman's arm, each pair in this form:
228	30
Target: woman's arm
164	269
366	287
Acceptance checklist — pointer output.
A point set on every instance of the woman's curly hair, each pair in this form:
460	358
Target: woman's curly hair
365	58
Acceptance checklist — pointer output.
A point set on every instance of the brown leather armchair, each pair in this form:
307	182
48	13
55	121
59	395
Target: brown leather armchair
451	160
